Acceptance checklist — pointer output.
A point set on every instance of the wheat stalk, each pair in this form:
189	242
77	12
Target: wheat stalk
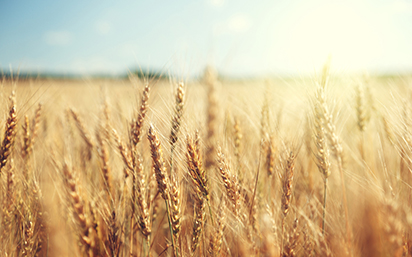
161	177
321	154
326	118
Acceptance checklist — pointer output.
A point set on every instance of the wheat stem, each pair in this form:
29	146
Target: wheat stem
171	229
324	206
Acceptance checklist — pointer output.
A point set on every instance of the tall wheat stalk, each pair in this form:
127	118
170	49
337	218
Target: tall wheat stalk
321	154
161	177
326	119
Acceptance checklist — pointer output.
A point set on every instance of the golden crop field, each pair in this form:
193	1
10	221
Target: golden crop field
146	167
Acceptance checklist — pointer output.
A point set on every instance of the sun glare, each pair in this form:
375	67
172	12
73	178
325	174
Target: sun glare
336	29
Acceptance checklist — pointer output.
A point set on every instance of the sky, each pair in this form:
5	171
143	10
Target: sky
240	38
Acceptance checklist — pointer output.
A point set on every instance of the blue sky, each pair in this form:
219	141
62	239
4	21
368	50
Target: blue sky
240	38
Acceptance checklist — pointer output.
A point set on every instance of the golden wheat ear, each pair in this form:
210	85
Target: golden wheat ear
36	123
210	78
158	163
199	218
137	126
175	206
195	168
86	233
177	117
139	197
104	157
229	181
287	187
10	133
216	239
292	240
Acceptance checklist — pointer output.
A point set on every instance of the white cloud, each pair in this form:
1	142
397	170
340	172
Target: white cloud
103	27
58	38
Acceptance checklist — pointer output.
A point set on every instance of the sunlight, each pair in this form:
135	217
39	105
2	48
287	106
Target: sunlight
341	30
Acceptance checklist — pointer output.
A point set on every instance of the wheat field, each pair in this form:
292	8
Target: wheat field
315	166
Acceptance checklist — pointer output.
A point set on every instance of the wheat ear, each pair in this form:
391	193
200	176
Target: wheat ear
238	139
287	191
216	239
86	231
10	133
229	181
36	123
105	166
137	126
198	221
212	112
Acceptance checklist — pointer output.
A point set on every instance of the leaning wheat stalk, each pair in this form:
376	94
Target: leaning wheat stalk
174	136
161	176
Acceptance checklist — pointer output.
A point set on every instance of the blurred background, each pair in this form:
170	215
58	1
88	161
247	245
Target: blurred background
240	38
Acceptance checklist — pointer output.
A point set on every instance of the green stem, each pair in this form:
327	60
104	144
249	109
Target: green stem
148	245
171	159
210	211
170	228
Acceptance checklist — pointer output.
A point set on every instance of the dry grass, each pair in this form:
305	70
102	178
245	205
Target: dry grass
209	168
